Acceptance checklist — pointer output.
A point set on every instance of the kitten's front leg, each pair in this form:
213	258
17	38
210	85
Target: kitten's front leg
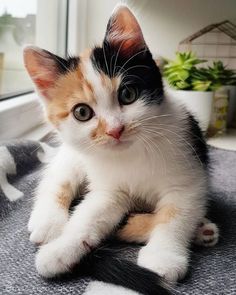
91	222
167	250
53	197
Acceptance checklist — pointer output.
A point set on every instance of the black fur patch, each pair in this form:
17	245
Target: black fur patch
107	265
198	141
139	71
65	65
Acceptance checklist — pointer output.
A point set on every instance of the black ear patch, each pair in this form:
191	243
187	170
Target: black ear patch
65	65
124	53
139	71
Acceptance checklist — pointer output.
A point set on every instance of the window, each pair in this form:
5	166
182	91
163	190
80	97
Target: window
39	22
17	27
22	22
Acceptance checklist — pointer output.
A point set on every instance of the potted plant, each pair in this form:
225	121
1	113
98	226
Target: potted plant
191	86
226	77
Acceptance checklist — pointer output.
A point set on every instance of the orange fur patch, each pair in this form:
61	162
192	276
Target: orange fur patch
100	130
70	89
73	88
64	197
137	228
140	226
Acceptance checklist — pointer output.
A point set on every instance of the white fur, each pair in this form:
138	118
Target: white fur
100	288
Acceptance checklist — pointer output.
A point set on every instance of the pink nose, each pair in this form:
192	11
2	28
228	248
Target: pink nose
116	132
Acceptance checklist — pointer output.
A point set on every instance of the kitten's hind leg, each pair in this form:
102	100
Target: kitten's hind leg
207	234
139	227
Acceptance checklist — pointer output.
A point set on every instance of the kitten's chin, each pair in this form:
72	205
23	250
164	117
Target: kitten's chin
117	144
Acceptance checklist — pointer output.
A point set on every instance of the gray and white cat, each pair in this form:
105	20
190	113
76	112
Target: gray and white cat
131	143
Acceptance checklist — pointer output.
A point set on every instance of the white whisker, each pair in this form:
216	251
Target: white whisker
182	138
134	55
105	58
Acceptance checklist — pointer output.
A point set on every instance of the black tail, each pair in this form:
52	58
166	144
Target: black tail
104	264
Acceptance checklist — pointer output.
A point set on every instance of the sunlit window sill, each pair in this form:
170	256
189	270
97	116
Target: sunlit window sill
19	115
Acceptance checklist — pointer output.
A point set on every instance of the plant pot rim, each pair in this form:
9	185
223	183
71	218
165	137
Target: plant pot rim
195	91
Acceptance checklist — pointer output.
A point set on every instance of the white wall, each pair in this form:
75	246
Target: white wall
164	22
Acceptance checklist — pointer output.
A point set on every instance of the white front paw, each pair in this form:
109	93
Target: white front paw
51	260
168	264
57	257
46	224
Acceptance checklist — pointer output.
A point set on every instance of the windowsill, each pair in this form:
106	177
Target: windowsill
20	115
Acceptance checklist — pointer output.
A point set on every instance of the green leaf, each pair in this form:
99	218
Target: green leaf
201	85
181	85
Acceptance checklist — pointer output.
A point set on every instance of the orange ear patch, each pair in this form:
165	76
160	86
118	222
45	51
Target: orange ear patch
42	68
100	131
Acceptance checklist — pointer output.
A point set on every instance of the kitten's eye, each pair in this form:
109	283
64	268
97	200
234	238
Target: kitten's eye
82	112
127	96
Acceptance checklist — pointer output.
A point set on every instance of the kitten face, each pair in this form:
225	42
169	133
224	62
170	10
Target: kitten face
98	100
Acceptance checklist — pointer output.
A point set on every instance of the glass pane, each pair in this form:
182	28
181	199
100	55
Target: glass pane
23	22
17	27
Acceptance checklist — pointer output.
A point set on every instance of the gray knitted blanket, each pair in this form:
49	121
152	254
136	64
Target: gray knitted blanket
212	271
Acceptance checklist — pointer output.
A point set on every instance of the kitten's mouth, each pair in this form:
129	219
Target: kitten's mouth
118	143
124	142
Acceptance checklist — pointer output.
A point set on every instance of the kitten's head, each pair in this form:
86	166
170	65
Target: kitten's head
99	100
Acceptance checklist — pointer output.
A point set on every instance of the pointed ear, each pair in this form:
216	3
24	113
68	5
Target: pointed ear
43	68
124	32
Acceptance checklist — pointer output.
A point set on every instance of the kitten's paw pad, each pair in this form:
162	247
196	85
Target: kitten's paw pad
46	227
207	234
170	265
52	259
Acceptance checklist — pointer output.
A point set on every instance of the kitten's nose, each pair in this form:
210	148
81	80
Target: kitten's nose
116	132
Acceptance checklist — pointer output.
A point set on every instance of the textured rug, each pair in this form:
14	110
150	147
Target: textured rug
212	271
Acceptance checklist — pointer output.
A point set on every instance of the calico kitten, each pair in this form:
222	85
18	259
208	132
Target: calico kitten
131	142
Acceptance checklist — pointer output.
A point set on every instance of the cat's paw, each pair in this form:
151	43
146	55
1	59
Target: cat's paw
168	264
58	257
45	225
51	260
207	234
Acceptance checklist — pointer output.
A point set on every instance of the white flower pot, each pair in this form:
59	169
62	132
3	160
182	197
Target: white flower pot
199	103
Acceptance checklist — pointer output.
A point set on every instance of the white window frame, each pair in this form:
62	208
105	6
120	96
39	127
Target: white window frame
77	26
22	116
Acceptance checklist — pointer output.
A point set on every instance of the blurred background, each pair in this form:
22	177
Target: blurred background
193	42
